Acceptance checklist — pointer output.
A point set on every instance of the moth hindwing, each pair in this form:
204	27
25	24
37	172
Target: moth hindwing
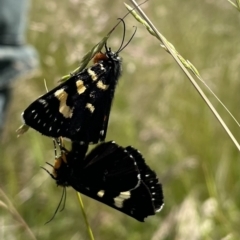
79	108
113	175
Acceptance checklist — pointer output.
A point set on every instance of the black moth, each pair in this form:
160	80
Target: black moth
113	175
79	108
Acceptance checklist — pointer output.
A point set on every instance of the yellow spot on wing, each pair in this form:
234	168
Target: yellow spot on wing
64	109
92	74
80	86
90	107
101	85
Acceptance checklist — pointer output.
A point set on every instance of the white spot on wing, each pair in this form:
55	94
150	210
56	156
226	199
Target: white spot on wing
159	209
90	107
42	101
139	181
119	200
101	67
139	176
101	193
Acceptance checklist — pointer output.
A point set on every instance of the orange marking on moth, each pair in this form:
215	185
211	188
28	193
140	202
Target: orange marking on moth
58	163
99	57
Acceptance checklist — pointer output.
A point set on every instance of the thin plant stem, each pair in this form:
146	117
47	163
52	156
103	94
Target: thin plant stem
194	83
85	216
16	214
236	5
235	120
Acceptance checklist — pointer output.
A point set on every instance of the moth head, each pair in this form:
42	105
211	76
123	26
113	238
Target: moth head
112	55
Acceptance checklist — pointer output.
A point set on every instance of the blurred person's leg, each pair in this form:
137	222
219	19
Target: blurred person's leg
16	58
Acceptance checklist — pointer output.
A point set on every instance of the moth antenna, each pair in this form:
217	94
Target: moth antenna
64	200
49	164
125	16
124	32
128	40
59	204
123	39
121	20
49	172
106	48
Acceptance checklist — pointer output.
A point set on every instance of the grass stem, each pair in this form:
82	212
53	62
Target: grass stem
85	216
176	58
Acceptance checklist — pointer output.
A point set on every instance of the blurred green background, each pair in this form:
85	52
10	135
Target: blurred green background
155	109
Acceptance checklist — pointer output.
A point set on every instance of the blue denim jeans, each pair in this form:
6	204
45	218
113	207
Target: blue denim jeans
17	59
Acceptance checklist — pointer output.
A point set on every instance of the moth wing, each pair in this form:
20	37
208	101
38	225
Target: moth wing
110	166
107	175
140	202
51	114
95	124
149	179
134	203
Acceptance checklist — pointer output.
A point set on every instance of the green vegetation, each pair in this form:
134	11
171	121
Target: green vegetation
155	109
